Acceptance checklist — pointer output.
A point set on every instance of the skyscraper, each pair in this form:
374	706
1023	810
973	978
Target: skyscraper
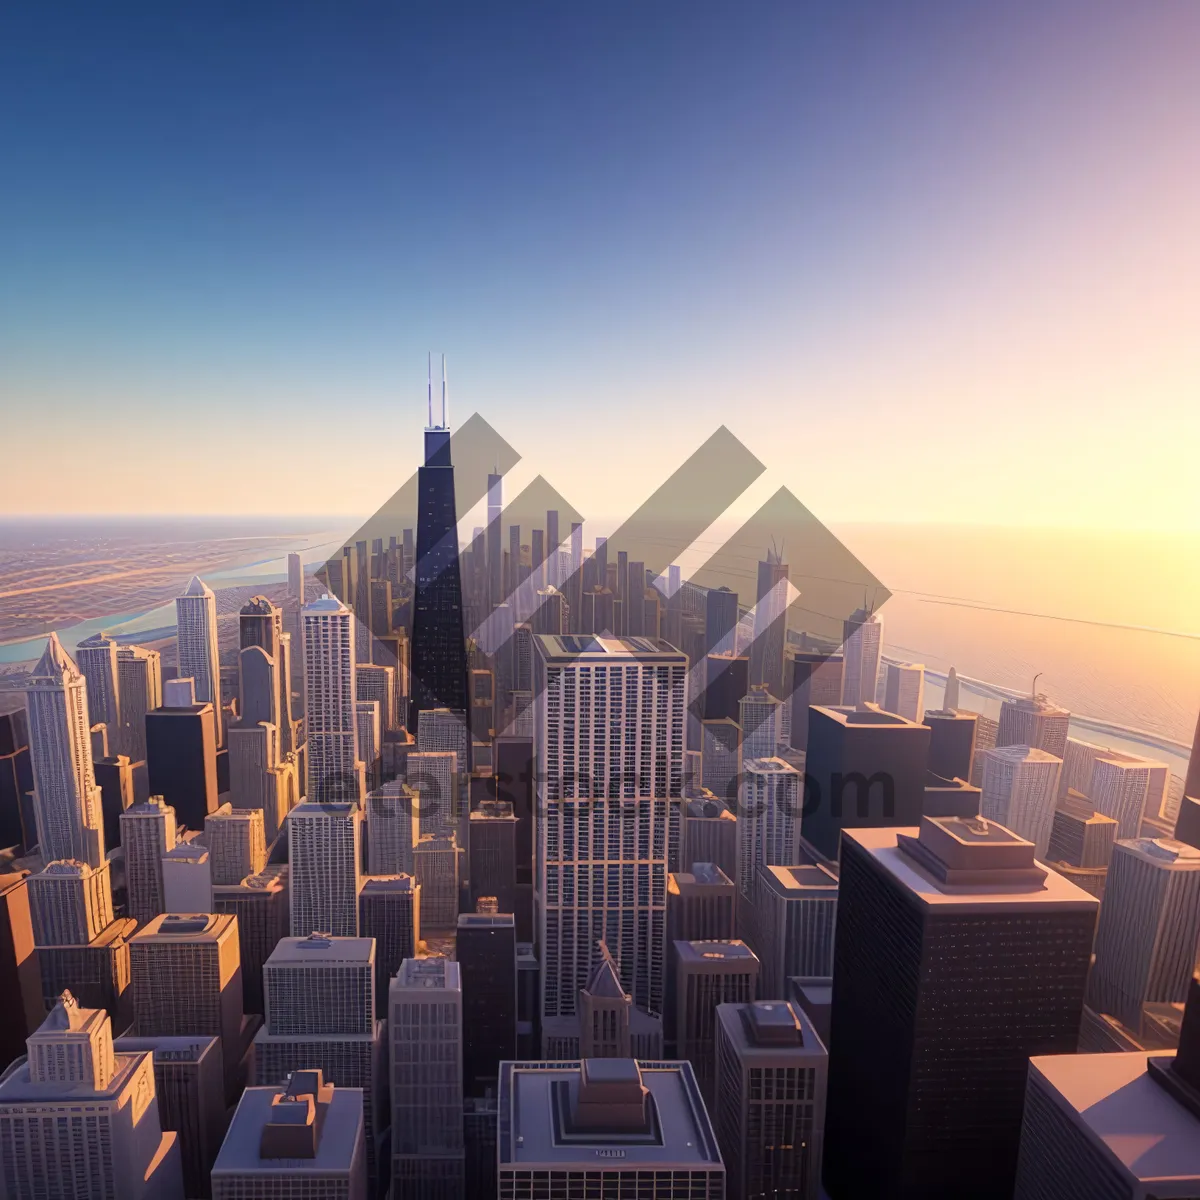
862	644
1033	721
97	659
495	557
770	624
813	678
331	726
181	758
425	1011
20	986
904	691
236	842
148	832
71	903
769	1106
79	1119
324	850
759	715
389	910
439	651
196	622
486	951
1123	788
492	854
70	821
700	904
609	731
951	742
721	757
768	825
139	684
260	903
1020	786
796	920
392	829
986	956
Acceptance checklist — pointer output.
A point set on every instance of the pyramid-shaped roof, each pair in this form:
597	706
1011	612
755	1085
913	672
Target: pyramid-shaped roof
604	980
55	661
197	587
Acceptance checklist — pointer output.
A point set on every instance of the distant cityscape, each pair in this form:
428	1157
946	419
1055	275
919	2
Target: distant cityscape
508	866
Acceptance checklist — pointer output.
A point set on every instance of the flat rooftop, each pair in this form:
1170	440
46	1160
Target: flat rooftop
866	715
564	647
1053	892
767	1013
1122	1109
798	881
320	948
529	1137
699	952
335	1151
185	927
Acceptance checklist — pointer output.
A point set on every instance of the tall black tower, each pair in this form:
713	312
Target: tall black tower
439	648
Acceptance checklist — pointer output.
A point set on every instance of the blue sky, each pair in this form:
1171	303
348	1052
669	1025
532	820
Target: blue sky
906	236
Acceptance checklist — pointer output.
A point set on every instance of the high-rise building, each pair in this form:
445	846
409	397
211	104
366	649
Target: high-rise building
721	757
1149	929
768	826
97	659
196	640
325	853
1033	721
18	824
796	917
80	1119
1119	1125
812	677
370	740
770	625
236	842
951	742
300	1139
260	903
181	757
862	645
148	832
708	974
1187	824
709	833
71	903
191	1099
720	620
759	716
606	1126
378	683
185	975
70	821
864	757
486	950
139	684
1020	789
437	862
1127	789
492	854
439	651
389	910
904	690
726	681
433	775
392	828
20	986
187	878
769	1103
425	1031
986	955
330	724
1081	843
700	904
96	972
117	783
610	743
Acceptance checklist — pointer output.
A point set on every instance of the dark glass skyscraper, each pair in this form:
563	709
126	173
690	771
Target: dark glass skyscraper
439	651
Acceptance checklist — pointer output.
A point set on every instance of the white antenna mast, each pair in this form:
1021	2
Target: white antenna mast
429	384
444	425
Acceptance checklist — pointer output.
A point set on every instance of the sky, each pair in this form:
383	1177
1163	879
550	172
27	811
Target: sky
930	262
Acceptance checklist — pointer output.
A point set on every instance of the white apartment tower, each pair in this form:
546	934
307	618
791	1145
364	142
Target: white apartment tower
330	697
66	798
324	849
196	625
609	740
904	692
1020	791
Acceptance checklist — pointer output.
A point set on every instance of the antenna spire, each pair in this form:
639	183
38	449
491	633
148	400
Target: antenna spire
444	425
429	384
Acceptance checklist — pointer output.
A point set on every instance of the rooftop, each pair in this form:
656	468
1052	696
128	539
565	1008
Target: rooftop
805	878
865	714
766	766
700	876
1022	754
322	948
428	973
1123	1109
715	951
568	647
188	927
767	1028
326	604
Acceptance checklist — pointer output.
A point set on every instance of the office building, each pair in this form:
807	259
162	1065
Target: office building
862	645
950	797
707	974
236	843
492	854
118	784
796	916
759	718
139	684
700	904
260	904
1125	1126
1187	824
610	745
951	742
198	660
70	902
812	677
331	730
181	757
378	683
437	868
425	1032
392	829
611	1127
1081	843
709	833
148	833
96	657
441	730
769	1103
720	621
370	740
721	757
191	1102
770	624
295	1141
187	878
486	951
185	977
1020	790
1127	789
325	853
389	910
433	775
864	768
986	956
1033	721
768	825
904	690
80	1119
18	825
21	1008
1149	929
70	821
95	972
